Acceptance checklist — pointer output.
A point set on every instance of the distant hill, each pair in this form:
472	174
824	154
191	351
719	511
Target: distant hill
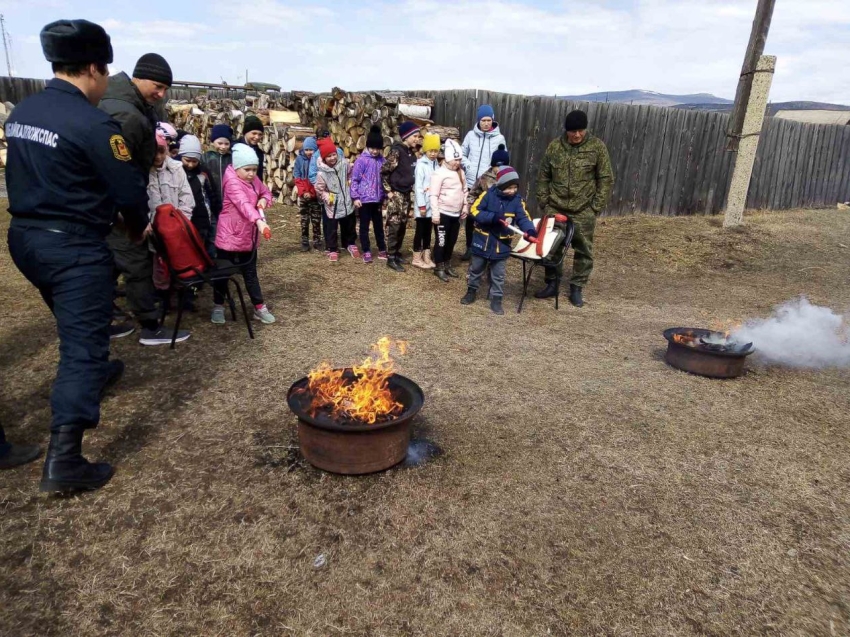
640	97
772	108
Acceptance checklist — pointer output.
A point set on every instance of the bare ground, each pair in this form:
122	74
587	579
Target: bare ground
585	487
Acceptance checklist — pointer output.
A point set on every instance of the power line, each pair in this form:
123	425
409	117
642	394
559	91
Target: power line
5	44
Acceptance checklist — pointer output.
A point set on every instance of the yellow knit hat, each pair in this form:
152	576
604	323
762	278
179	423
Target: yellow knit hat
430	142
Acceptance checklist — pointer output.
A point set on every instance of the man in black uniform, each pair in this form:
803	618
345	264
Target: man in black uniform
130	101
69	171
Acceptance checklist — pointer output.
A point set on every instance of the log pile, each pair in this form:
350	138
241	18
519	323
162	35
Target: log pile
294	116
5	111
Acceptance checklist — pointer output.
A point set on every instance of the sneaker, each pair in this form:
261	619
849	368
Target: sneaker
367	257
353	251
333	256
120	330
263	315
161	336
382	255
217	315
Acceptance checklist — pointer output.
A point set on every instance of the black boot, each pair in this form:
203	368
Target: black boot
451	272
496	305
17	455
575	295
305	245
393	264
546	293
440	272
471	295
317	244
467	255
400	259
65	469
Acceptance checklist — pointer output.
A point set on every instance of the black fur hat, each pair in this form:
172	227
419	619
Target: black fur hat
374	139
76	42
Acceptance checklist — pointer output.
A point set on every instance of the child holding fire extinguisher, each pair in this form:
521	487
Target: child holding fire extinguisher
242	219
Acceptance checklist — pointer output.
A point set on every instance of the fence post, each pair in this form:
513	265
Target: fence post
749	142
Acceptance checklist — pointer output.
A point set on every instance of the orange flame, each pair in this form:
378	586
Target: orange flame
685	339
362	394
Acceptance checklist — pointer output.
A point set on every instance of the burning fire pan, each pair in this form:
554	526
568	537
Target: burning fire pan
354	448
705	352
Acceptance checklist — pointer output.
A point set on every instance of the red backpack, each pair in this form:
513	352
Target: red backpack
183	246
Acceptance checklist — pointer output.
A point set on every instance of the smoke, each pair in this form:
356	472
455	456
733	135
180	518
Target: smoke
799	334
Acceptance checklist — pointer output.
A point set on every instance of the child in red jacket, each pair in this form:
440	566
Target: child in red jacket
311	207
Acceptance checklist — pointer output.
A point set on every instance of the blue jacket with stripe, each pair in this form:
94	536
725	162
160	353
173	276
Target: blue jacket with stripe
491	240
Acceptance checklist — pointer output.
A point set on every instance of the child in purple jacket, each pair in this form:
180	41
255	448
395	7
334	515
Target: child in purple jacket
367	193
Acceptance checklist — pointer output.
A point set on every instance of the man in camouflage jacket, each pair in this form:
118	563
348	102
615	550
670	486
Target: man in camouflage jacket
575	179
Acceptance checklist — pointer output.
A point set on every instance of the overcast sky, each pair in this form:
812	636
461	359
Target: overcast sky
517	46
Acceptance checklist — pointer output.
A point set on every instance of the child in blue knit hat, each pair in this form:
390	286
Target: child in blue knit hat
311	208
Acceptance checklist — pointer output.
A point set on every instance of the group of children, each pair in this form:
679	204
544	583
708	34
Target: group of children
407	186
222	194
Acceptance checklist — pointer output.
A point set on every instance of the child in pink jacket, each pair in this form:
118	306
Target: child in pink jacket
241	222
448	196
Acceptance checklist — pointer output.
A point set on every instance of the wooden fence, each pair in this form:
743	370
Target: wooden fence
668	161
15	89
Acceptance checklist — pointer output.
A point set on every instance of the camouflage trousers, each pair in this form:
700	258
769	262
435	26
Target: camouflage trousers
311	214
399	210
584	223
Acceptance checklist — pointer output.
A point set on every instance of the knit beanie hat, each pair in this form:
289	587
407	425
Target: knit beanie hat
485	111
506	176
152	66
310	144
431	142
501	157
221	131
576	120
252	123
161	142
244	155
375	139
326	147
190	147
167	130
453	150
406	129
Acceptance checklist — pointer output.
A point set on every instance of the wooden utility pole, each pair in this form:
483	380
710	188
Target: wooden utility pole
747	118
6	45
755	49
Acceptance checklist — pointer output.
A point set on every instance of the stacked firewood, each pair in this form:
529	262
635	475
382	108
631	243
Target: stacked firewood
5	111
292	117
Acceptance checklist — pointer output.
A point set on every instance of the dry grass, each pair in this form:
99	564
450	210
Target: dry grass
586	488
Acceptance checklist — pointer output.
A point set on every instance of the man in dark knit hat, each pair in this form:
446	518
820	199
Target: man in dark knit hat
69	170
131	102
575	179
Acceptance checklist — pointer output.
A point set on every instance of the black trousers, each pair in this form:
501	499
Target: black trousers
249	275
341	231
470	230
371	213
447	232
74	274
422	237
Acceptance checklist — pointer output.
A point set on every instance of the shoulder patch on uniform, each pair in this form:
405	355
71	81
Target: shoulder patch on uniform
119	148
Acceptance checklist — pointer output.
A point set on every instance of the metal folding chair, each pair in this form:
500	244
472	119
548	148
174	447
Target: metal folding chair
528	270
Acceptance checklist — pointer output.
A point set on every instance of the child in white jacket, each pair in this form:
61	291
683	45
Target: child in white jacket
448	195
425	168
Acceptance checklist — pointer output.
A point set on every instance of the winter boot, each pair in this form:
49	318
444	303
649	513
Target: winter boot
467	255
394	264
546	293
496	305
305	245
575	295
65	469
401	260
426	259
440	272
417	260
12	455
450	271
469	299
